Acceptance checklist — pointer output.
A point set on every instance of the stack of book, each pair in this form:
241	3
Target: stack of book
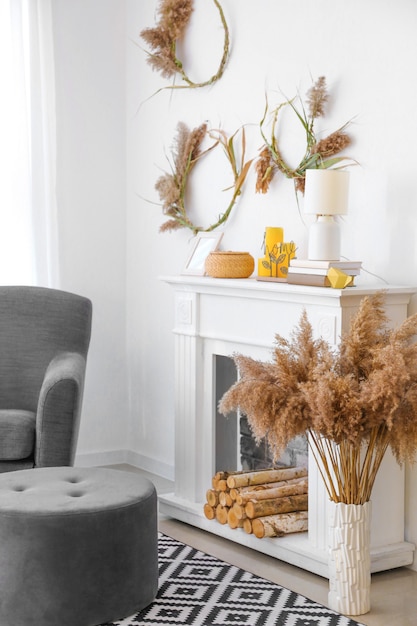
314	273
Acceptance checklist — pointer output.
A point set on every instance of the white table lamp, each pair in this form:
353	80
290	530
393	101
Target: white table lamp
326	195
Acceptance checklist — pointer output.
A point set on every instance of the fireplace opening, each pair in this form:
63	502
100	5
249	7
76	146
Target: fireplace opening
254	457
235	446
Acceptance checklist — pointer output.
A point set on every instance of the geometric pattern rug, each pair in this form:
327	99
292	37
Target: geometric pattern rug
196	589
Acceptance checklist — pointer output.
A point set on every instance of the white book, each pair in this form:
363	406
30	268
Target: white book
341	265
318	271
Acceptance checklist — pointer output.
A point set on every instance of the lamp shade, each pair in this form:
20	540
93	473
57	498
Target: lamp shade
326	192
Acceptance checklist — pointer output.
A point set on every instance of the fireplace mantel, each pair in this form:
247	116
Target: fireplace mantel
219	317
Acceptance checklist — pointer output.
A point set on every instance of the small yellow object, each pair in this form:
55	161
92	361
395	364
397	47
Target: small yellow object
273	237
277	254
276	262
338	279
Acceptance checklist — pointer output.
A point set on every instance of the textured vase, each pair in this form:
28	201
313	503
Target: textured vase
349	558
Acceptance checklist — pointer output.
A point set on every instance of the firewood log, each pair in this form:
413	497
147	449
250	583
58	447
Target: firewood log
285	489
212	497
265	476
223	475
225	499
239	511
247	526
217	477
286	504
232	520
280	525
209	511
235	492
221	514
222	485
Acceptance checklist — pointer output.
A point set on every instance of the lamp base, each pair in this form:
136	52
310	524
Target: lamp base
324	239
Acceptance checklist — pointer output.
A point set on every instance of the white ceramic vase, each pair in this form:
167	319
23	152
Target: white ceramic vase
349	558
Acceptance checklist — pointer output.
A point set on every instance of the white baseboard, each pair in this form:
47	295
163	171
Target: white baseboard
151	465
117	457
95	459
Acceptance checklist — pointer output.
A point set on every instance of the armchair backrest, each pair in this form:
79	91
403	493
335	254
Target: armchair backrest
36	324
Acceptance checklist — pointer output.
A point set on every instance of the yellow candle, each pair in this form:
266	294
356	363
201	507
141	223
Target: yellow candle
276	261
273	237
287	252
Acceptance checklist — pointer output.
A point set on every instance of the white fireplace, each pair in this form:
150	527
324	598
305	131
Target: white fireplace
218	317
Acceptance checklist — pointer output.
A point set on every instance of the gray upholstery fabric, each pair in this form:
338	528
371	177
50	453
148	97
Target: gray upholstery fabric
17	434
79	547
44	339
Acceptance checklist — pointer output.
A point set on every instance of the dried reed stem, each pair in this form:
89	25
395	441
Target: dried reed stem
349	471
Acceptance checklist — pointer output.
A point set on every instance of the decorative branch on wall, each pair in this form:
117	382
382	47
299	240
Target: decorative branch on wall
186	153
174	17
319	154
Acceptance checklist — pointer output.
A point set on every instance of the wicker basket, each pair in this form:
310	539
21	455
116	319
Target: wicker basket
229	264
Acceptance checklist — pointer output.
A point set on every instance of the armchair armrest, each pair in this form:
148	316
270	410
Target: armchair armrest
58	411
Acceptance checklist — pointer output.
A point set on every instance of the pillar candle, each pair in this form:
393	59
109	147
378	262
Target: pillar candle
273	236
275	264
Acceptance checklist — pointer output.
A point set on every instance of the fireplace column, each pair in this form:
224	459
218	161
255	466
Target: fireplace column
188	396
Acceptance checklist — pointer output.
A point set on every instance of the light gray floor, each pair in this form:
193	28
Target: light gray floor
393	593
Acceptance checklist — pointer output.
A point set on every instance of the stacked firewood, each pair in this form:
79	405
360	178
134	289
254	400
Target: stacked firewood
267	503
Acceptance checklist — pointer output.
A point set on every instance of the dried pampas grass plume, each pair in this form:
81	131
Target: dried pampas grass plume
354	401
264	167
331	145
317	97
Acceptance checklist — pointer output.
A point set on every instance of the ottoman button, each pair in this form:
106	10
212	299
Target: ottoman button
76	494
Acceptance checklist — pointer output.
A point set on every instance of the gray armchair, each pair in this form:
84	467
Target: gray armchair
44	339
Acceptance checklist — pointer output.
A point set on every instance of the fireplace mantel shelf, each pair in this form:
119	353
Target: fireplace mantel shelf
219	317
251	287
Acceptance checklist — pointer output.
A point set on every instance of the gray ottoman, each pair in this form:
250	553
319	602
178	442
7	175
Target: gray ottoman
78	547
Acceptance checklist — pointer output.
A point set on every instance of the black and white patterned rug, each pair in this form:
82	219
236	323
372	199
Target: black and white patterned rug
196	589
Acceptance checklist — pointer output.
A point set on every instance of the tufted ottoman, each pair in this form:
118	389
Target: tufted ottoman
78	547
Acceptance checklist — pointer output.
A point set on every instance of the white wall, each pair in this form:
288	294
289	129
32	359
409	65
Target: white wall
90	45
365	50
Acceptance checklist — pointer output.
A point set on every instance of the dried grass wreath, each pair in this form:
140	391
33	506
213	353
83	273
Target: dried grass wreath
186	153
174	17
319	154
